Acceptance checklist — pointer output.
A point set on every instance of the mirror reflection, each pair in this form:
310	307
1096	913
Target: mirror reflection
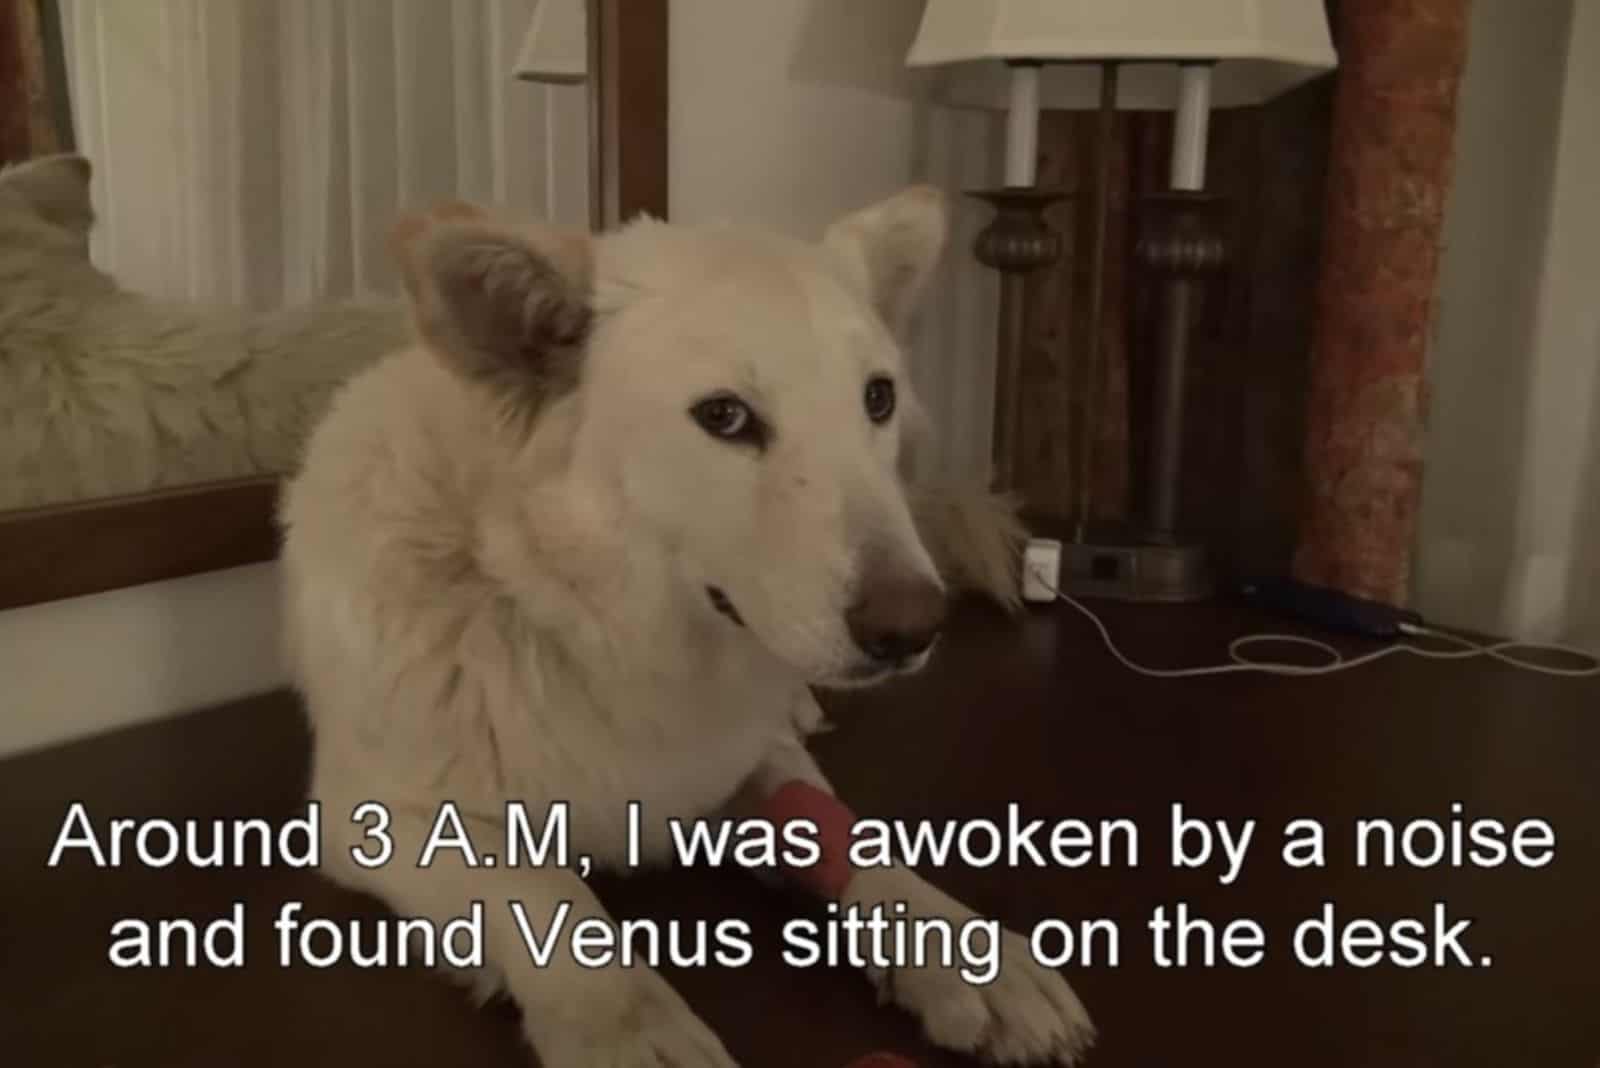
193	239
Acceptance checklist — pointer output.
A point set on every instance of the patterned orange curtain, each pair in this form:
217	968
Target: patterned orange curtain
1392	151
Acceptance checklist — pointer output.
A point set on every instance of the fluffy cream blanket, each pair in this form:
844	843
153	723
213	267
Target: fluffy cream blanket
108	392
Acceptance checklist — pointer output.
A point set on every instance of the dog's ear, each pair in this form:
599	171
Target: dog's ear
892	248
56	188
504	306
409	230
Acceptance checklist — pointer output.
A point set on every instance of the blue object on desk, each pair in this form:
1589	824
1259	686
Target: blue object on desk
1328	608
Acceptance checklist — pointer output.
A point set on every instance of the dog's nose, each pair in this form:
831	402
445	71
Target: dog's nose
895	619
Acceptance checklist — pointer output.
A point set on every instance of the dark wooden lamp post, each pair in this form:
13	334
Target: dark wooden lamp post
1018	241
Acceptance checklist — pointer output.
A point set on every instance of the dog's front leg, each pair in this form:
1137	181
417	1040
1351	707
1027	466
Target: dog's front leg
574	1016
1027	1016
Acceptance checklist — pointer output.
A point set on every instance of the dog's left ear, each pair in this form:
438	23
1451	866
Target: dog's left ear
892	248
509	307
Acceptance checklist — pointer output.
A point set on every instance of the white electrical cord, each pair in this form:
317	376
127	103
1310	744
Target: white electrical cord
1467	650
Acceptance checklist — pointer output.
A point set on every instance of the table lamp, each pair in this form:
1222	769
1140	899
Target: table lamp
1183	55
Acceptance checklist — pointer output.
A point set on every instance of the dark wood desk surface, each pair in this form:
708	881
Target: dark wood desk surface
1032	712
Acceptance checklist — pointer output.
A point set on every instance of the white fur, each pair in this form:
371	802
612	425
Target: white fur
496	575
111	392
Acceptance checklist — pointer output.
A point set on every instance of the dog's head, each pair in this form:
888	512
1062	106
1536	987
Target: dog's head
739	399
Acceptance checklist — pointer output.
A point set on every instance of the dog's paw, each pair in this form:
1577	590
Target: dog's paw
1027	1015
643	1023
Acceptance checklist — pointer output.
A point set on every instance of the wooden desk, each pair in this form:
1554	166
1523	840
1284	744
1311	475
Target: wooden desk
1032	712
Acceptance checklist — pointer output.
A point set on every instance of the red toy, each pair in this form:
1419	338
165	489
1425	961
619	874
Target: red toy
801	800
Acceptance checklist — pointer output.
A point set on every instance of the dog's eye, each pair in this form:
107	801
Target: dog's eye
729	418
880	399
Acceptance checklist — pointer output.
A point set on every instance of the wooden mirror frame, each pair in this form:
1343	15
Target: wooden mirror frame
68	550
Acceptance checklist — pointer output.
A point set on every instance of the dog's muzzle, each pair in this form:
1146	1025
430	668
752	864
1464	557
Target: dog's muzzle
895	621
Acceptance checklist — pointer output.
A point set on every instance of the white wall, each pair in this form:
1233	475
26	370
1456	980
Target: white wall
1558	538
73	667
755	136
1513	454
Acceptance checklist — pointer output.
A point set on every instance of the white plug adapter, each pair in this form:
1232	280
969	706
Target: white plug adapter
1041	570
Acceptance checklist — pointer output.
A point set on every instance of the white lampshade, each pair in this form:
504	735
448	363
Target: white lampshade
556	48
1261	48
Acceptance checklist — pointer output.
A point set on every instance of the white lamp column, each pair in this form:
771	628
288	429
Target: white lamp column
1191	126
1022	126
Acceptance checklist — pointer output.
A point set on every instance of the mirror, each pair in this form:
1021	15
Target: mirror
195	204
209	263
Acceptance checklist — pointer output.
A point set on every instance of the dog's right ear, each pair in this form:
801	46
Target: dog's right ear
508	307
893	248
56	188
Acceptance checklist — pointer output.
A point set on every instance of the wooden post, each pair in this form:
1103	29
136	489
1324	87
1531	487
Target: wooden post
27	113
628	110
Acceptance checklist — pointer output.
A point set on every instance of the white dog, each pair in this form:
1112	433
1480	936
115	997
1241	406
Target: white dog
593	539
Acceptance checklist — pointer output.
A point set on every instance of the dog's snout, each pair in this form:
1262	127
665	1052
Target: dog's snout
896	619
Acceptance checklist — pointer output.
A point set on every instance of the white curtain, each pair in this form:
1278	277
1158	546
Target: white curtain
258	151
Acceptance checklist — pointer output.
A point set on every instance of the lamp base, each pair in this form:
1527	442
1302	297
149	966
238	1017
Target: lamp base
1120	563
1155	574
